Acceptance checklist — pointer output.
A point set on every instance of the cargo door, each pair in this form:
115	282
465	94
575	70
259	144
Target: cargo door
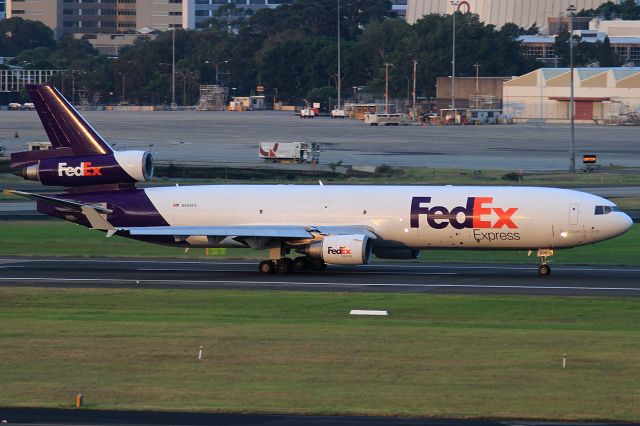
573	214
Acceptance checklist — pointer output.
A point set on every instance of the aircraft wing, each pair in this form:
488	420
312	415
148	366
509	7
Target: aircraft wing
298	232
254	236
270	231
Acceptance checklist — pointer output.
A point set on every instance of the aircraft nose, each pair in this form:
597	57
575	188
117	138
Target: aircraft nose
625	222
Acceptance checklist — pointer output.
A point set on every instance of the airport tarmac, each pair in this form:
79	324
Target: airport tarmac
28	417
565	280
233	137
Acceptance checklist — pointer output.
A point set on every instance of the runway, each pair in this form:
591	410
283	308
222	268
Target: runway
28	416
380	277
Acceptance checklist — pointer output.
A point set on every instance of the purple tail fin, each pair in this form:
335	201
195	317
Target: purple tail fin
65	127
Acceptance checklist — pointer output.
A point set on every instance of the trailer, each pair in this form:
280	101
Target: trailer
385	119
289	152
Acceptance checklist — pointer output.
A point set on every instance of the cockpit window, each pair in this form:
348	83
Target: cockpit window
606	209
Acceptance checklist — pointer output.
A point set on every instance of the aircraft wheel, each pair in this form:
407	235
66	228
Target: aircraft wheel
300	264
267	267
284	266
317	265
544	270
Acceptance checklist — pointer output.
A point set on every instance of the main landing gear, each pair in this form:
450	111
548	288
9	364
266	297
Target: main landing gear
544	269
286	265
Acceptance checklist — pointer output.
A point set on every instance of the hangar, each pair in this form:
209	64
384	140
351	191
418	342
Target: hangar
609	95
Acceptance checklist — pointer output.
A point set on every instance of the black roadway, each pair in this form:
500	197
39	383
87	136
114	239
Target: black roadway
382	277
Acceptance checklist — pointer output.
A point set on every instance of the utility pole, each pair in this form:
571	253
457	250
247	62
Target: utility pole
455	4
386	86
173	68
124	75
413	108
477	77
572	158
339	77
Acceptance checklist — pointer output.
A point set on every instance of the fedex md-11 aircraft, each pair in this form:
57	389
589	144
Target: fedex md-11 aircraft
336	225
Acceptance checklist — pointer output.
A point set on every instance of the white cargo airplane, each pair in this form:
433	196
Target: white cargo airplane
338	225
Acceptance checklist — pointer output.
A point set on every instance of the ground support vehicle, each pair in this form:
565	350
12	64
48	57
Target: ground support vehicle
289	152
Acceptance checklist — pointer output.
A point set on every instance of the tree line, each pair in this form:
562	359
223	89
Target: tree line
292	52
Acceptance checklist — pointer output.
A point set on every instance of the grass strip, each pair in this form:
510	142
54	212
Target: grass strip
297	352
57	238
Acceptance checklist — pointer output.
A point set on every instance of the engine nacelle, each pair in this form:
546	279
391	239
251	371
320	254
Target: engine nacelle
396	253
342	249
99	169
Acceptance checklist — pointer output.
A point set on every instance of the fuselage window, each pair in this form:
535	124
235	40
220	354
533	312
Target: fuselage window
599	210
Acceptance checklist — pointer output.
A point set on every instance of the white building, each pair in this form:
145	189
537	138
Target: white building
599	94
624	37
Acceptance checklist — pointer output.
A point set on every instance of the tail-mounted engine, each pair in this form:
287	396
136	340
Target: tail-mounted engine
116	167
342	249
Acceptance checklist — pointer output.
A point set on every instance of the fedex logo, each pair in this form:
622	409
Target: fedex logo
339	250
85	169
476	214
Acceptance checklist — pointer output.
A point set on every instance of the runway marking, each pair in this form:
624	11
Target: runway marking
377	265
340	272
328	284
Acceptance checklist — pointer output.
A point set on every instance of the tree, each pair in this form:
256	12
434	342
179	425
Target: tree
628	10
17	35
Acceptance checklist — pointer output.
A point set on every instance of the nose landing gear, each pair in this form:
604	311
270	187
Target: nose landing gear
544	269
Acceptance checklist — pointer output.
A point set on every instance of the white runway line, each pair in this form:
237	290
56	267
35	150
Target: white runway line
377	265
142	282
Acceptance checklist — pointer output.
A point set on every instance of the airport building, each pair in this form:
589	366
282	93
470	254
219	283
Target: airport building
610	95
624	37
524	13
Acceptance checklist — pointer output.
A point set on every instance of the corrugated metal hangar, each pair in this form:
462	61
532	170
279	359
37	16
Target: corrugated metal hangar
498	12
600	94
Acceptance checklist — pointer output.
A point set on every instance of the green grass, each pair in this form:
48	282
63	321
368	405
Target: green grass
396	176
57	238
296	352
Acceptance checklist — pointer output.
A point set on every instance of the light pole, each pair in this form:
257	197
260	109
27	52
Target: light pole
413	108
124	75
408	86
217	65
572	158
73	85
184	85
386	86
174	106
477	77
455	4
339	82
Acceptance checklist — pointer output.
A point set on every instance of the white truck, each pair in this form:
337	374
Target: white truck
289	152
385	119
307	113
338	112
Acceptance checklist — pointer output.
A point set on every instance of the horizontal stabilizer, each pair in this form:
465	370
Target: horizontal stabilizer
58	201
